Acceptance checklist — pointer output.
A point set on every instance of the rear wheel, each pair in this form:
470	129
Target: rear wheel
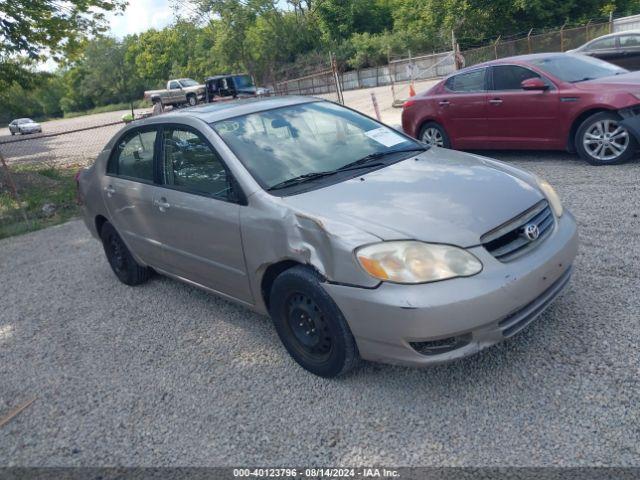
310	324
433	134
120	259
601	140
192	100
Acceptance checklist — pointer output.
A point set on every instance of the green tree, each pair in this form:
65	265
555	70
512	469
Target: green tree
33	28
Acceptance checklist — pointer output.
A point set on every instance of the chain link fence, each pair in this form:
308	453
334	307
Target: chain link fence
37	173
554	41
400	72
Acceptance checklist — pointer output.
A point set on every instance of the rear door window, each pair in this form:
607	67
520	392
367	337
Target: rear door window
467	82
132	157
630	41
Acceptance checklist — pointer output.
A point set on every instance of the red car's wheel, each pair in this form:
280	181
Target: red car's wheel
601	140
433	134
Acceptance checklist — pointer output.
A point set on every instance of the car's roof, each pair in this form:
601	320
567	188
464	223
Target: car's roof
225	75
518	59
616	34
213	112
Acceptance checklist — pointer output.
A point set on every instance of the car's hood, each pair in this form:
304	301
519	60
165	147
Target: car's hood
623	82
440	196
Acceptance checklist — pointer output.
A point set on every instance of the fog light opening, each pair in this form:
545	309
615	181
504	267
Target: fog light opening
440	346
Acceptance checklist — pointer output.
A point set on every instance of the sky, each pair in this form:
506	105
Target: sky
141	15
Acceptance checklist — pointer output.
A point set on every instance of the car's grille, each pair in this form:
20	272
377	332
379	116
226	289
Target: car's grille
510	240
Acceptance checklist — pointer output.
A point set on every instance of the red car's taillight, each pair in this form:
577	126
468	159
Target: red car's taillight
408	104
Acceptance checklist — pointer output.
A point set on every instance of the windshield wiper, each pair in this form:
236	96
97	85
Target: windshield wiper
585	79
377	155
367	161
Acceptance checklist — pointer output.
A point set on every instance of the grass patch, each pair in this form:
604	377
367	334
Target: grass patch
37	186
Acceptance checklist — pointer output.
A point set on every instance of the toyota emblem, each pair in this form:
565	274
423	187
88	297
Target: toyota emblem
531	232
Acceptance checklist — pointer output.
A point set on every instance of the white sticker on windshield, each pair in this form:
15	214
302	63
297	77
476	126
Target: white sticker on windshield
385	136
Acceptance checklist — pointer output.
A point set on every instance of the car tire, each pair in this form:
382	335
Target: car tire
434	134
192	100
310	324
120	259
601	140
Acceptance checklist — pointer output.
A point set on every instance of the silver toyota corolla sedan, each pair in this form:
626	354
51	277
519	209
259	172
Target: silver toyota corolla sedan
357	240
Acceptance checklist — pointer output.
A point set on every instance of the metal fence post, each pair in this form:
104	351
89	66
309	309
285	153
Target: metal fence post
12	186
495	46
611	21
529	40
454	48
586	28
562	37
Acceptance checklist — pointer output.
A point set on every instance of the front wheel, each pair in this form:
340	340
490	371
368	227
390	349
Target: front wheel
602	140
310	324
434	135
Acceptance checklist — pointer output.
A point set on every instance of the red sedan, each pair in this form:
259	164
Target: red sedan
552	101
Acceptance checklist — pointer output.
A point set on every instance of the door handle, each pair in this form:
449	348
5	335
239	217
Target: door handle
110	191
443	103
162	204
495	101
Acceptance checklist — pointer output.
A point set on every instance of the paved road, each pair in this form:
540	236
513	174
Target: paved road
164	374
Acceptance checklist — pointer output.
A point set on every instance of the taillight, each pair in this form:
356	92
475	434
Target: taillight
408	104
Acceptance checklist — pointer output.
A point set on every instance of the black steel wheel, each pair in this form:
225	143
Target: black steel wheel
120	259
310	324
307	324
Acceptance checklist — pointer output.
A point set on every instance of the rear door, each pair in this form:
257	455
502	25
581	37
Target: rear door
630	49
198	214
520	118
463	108
128	190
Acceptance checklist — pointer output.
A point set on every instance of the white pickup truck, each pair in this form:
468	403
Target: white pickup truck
178	92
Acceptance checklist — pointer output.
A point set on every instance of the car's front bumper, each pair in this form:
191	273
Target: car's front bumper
393	323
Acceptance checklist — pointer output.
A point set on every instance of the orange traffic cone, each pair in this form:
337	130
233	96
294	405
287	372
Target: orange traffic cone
412	91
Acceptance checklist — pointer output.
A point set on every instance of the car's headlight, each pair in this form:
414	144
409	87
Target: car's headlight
552	196
409	261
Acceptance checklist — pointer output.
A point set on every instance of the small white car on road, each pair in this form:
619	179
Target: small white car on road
24	125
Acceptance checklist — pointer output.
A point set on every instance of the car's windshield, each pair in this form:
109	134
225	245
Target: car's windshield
22	121
285	143
576	68
187	82
243	81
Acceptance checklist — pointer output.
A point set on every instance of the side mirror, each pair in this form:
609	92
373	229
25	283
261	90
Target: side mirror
534	84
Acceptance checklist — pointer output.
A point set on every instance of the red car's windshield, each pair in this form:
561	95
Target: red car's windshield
576	68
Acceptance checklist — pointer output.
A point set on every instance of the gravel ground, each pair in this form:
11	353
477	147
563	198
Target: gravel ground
165	374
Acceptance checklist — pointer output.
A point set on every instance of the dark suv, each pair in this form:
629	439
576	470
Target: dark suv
232	86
